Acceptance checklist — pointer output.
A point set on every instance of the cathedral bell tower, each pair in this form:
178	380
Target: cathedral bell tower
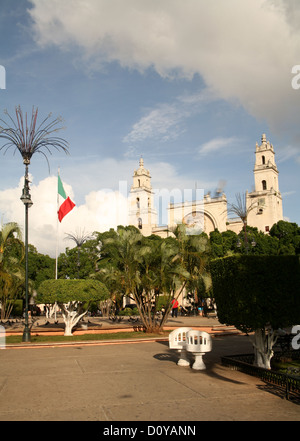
265	170
141	211
266	197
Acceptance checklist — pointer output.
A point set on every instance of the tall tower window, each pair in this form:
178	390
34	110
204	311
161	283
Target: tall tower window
138	202
263	159
139	182
264	185
140	223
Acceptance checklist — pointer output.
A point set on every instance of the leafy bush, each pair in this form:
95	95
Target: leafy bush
128	312
64	290
125	312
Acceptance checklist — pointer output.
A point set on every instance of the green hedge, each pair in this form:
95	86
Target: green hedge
252	291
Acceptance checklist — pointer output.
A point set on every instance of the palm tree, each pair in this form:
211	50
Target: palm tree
241	210
172	274
143	269
194	253
123	254
29	138
11	274
79	238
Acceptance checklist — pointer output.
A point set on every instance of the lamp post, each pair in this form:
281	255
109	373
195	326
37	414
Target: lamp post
28	139
26	199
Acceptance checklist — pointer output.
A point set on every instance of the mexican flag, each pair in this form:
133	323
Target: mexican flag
67	205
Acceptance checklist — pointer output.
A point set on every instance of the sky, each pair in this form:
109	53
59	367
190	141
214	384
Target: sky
189	86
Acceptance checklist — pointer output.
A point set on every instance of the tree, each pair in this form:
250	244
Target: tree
120	260
72	296
241	210
11	271
79	238
257	242
139	268
162	273
258	294
40	267
288	237
195	252
146	268
89	255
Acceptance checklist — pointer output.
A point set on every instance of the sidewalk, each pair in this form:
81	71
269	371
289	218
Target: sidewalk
43	325
96	325
134	381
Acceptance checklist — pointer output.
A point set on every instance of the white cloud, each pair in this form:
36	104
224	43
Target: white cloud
102	207
287	153
286	194
166	122
217	144
157	124
244	51
102	210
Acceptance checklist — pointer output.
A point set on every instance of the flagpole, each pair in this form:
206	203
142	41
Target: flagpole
56	257
57	204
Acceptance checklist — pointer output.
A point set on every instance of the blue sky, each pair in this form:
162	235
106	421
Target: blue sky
191	86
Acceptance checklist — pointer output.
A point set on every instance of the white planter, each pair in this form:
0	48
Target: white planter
177	340
198	342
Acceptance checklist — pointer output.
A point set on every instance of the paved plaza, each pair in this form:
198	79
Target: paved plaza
134	381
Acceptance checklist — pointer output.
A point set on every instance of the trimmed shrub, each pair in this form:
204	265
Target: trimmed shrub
254	291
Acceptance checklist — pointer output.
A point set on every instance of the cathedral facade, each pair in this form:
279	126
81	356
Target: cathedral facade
209	213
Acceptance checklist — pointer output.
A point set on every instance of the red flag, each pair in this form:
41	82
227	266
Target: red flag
67	205
65	208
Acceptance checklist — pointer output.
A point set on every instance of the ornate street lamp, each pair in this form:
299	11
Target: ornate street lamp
29	139
26	199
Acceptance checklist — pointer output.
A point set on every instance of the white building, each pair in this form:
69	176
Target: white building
211	213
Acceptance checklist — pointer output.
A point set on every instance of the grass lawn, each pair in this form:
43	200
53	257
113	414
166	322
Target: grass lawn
12	339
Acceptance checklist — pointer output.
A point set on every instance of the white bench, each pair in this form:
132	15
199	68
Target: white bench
177	340
198	342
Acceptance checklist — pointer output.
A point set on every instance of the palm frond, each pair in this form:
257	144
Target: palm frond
240	208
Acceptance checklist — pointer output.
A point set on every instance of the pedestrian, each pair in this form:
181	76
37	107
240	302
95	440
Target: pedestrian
174	307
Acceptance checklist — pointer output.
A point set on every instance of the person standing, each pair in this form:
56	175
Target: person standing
174	308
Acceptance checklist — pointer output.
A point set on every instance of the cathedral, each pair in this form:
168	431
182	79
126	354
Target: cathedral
209	213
